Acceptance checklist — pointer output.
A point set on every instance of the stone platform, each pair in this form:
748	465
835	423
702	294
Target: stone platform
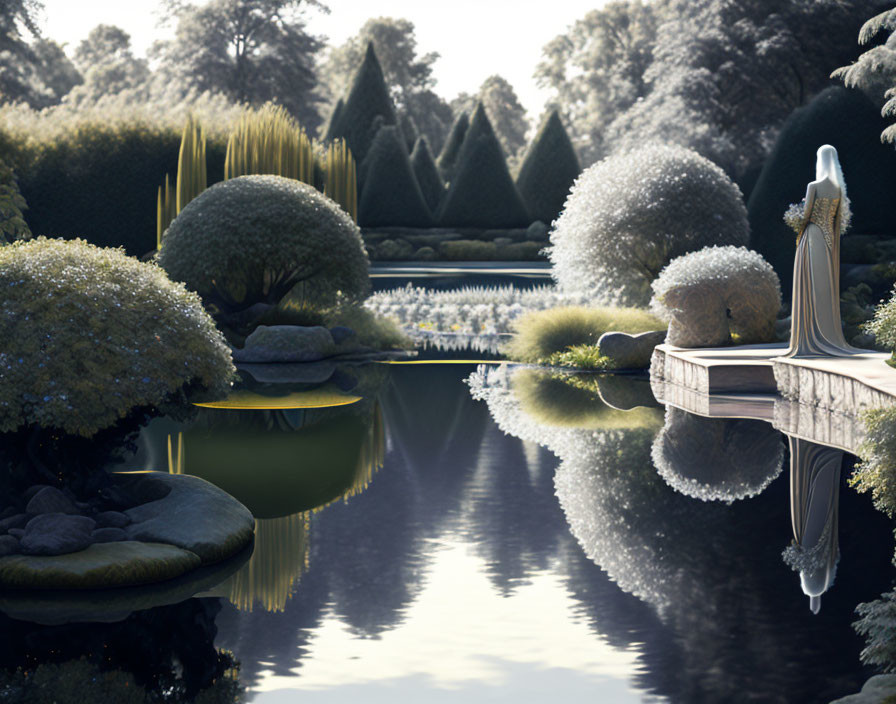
848	384
816	398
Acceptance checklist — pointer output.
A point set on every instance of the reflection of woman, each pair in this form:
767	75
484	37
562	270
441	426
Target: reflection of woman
815	328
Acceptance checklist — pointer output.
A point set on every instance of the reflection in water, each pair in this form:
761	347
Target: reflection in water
717	459
162	654
814	514
726	630
283	464
278	562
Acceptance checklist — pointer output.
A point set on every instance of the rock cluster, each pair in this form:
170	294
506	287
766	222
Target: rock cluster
49	521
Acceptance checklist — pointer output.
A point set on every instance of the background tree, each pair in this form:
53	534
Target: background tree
252	51
408	76
596	70
108	64
18	20
506	114
54	72
725	75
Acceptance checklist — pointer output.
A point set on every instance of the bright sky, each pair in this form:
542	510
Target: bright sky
475	38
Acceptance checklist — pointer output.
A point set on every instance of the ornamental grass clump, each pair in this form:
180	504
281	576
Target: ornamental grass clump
565	336
718	296
245	244
89	337
629	215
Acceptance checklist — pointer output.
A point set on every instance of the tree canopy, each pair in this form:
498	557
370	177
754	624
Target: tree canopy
107	64
252	51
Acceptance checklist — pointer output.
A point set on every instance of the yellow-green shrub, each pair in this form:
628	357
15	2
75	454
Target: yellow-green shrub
541	334
90	336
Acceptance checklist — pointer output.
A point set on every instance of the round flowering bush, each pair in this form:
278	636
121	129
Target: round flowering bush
717	459
88	336
627	216
253	239
716	296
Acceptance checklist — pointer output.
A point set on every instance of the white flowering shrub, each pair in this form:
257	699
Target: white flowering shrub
478	318
717	459
627	216
716	296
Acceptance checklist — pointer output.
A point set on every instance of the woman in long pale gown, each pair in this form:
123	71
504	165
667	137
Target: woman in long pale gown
815	328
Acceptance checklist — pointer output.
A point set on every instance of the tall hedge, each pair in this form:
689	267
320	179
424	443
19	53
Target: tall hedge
482	193
100	183
367	99
391	194
848	120
333	120
448	156
427	173
548	170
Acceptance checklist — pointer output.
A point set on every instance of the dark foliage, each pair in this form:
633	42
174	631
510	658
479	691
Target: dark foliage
100	183
548	170
367	100
391	194
482	193
427	173
848	120
448	156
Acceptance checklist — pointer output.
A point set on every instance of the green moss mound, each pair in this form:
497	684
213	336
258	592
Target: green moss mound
367	100
391	195
846	119
542	334
548	170
427	173
482	193
91	335
253	239
450	151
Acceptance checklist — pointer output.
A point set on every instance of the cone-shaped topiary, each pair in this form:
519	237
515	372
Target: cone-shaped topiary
548	170
391	194
846	119
629	215
252	239
482	193
333	120
367	99
448	157
91	336
427	173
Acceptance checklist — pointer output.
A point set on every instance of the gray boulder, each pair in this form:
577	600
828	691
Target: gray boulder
108	535
50	500
16	521
111	519
57	534
286	343
8	545
630	351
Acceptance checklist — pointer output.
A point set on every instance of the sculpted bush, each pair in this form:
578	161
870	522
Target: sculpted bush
90	336
627	216
253	239
717	296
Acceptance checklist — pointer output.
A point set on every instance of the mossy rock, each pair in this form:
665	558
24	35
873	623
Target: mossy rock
100	565
195	516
